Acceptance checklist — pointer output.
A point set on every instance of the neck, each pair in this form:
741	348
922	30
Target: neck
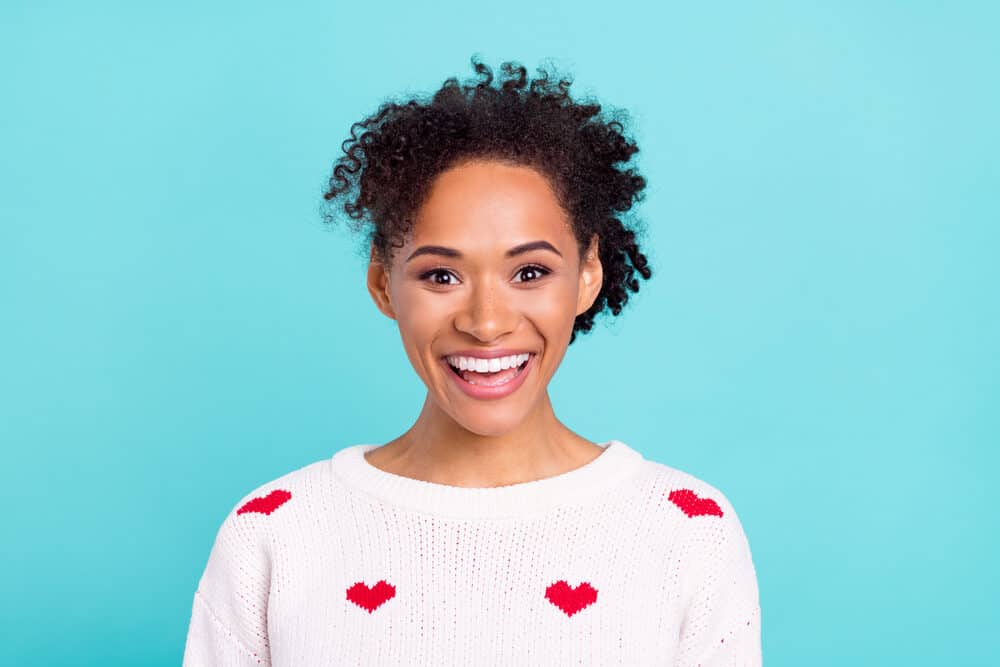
440	450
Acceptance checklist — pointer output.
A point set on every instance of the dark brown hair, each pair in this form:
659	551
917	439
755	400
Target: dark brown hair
386	171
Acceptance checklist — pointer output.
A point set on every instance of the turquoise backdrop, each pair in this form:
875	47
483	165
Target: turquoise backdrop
819	339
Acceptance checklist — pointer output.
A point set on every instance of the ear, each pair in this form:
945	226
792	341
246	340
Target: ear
591	277
378	286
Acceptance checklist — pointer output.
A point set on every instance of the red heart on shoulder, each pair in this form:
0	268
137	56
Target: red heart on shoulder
266	504
692	505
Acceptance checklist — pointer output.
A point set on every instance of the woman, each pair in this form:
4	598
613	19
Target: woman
489	533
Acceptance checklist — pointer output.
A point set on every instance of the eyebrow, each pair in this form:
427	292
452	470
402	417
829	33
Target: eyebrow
513	252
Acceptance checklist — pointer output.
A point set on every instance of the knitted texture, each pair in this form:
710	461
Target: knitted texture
623	561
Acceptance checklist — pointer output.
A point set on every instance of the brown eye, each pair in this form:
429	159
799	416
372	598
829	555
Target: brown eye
436	272
533	268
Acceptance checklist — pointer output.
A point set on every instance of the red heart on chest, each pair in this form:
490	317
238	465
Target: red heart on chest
571	600
371	598
266	504
692	505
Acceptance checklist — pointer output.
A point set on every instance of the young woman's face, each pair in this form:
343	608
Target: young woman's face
455	287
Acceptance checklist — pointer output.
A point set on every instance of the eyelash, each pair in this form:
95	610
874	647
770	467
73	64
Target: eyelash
540	269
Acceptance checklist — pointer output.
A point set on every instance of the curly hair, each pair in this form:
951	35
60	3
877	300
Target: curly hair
386	172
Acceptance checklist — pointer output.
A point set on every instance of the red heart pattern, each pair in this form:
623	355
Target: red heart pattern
371	598
571	600
692	505
266	504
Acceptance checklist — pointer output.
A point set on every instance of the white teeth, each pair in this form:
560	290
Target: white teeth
487	365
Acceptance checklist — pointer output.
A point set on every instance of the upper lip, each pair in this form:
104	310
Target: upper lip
487	354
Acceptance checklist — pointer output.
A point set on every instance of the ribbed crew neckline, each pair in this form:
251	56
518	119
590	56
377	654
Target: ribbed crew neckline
611	467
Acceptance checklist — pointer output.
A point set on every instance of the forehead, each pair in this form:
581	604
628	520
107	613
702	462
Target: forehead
482	203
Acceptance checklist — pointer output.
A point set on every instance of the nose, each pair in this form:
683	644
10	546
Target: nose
486	314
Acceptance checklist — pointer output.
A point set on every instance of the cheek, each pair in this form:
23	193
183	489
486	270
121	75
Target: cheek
420	321
551	306
420	314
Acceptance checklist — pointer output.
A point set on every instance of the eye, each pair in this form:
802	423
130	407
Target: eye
541	271
435	272
534	268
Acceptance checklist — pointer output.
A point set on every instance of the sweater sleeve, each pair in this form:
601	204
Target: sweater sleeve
228	626
722	622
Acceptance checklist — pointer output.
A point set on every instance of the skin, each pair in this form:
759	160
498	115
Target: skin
483	208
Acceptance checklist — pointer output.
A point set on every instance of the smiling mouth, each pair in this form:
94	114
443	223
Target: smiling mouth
488	379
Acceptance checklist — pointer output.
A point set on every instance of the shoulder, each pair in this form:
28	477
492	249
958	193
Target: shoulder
259	514
283	495
236	581
692	495
700	512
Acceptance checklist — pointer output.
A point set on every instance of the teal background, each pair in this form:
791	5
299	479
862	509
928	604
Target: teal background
818	339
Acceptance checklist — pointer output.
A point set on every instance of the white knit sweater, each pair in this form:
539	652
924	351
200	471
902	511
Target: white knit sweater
623	561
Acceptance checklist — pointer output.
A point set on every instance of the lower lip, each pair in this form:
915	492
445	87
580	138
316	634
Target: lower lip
483	392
